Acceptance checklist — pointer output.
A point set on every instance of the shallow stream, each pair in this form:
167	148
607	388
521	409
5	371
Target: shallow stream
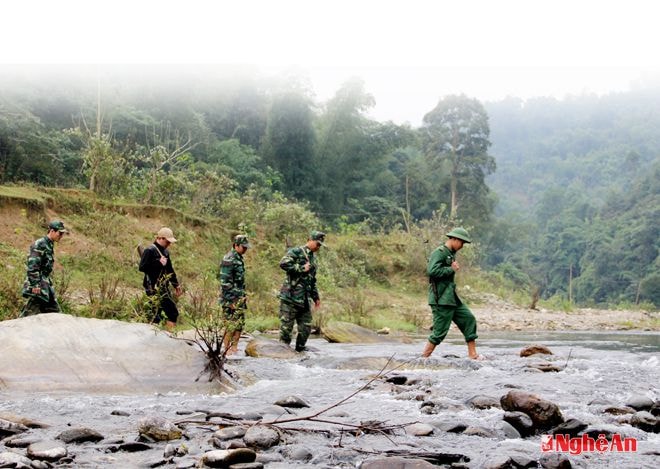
597	370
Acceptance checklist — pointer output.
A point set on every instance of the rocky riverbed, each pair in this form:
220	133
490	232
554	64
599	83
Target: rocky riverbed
445	411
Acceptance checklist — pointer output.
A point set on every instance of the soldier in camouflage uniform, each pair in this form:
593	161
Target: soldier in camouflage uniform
38	286
233	297
445	303
299	290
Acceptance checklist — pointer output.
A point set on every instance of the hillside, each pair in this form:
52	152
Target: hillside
373	280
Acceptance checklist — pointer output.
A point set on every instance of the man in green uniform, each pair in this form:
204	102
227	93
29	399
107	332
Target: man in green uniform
299	290
445	303
233	297
38	286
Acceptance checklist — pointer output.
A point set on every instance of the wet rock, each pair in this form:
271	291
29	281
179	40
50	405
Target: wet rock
20	441
169	451
396	463
483	402
345	332
132	447
615	410
47	450
555	461
655	410
298	453
645	421
22	420
261	347
9	459
222	415
397	379
545	367
533	349
8	428
570	427
450	427
226	458
509	430
479	431
229	433
42	464
259	436
640	403
292	401
120	413
544	414
158	429
79	435
521	422
419	429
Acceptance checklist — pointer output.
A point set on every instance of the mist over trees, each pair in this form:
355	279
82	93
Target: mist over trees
563	196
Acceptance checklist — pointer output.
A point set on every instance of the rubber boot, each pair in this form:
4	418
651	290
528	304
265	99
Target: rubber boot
428	350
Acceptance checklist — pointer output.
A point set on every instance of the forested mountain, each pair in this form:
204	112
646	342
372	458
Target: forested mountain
579	196
562	194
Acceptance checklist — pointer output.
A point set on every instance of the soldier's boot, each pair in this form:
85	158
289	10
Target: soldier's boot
428	350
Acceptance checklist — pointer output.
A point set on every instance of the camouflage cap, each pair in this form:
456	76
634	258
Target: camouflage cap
318	236
57	225
242	240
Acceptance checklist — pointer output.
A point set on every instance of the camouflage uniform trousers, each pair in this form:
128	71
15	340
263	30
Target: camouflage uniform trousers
38	306
235	318
302	316
443	315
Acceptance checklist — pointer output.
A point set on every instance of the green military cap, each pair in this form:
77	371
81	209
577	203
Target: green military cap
460	233
57	225
318	236
242	240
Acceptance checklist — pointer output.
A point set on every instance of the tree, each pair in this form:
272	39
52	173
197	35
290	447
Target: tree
456	137
289	142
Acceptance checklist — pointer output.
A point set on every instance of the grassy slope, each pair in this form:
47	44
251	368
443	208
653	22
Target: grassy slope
376	281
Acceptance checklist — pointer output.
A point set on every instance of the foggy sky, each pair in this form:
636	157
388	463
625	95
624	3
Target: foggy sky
409	53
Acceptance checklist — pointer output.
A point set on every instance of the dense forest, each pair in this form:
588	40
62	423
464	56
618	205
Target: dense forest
563	195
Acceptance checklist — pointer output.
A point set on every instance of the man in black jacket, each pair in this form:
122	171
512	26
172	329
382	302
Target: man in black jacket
159	275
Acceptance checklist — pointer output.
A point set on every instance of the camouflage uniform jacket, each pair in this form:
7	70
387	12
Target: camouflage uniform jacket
156	275
299	286
232	279
40	263
442	289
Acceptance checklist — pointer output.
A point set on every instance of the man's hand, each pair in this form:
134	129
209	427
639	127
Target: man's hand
455	266
178	291
36	290
163	260
306	267
317	304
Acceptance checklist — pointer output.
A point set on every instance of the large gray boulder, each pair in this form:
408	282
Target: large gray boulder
59	352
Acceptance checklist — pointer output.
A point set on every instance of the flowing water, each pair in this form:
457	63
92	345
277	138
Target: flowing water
597	370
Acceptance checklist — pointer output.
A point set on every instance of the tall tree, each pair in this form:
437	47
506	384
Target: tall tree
289	142
456	137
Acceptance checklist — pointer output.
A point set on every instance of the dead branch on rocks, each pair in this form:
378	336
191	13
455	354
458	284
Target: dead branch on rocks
370	426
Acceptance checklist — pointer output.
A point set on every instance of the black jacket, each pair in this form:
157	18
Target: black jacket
155	273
